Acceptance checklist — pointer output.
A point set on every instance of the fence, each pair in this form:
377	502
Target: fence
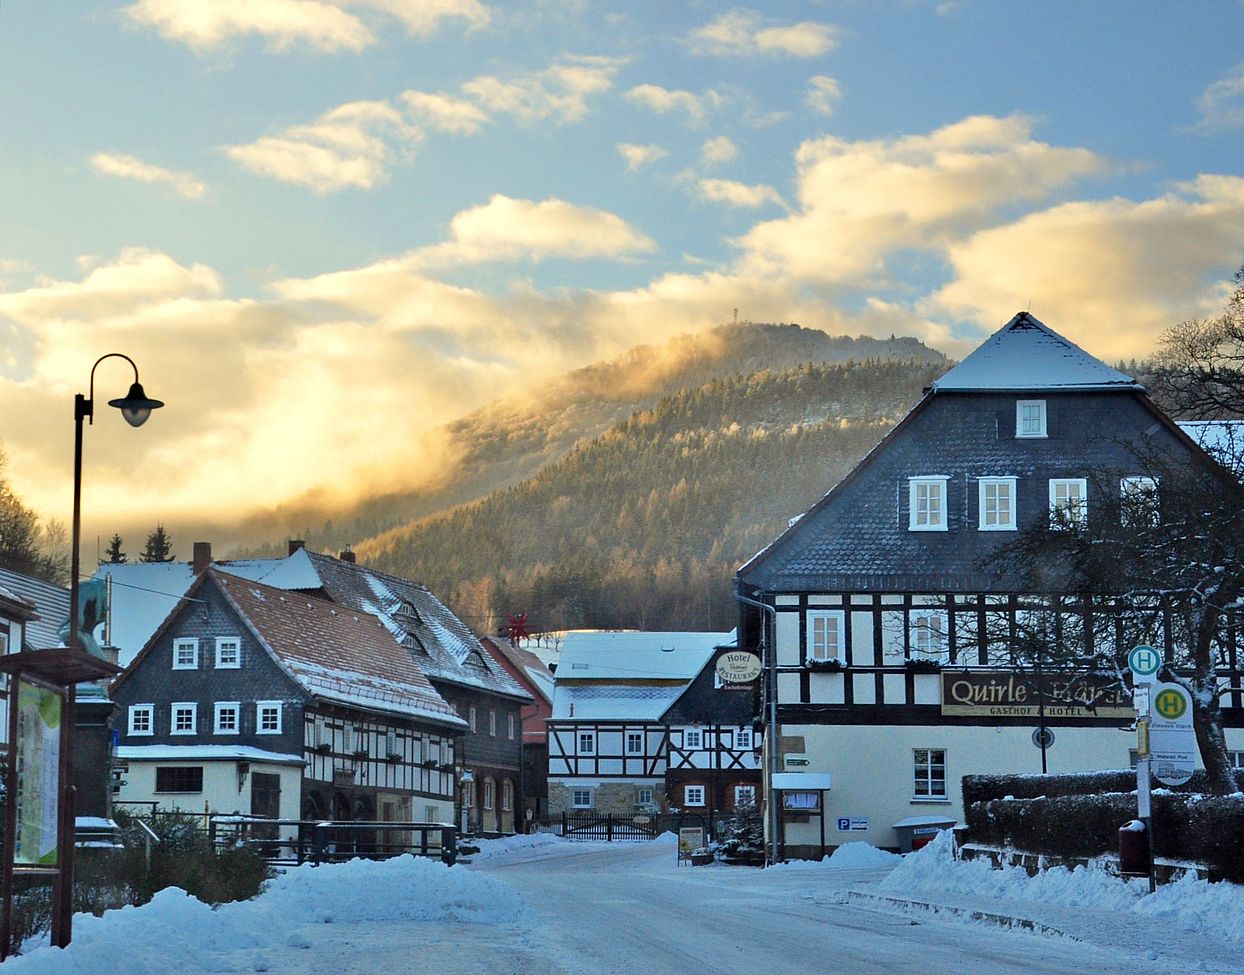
594	826
294	841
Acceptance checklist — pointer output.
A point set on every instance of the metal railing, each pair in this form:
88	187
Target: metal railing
295	841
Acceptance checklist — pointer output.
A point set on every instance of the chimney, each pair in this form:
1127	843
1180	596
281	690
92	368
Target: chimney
295	544
348	556
202	557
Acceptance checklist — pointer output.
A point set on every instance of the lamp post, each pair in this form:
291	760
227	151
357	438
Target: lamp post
136	407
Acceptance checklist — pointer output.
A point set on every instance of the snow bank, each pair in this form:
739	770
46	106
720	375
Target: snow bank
177	933
509	844
1196	904
850	856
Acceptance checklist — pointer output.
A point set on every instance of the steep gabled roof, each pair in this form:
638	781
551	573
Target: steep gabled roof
1025	355
538	677
43	605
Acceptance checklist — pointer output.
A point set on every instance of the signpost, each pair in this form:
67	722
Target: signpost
1145	662
1172	739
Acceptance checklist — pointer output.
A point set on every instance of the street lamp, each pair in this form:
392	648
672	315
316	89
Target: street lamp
136	407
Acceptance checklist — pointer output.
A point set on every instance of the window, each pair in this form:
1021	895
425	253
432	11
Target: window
1138	501
693	795
391	745
930	777
268	720
509	726
643	796
744	795
492	723
185	718
928	631
1030	418
172	778
142	719
634	743
997	504
228	653
488	790
692	739
743	739
1068	501
581	798
825	629
468	794
801	801
471	716
587	742
507	796
927	504
228	718
186	654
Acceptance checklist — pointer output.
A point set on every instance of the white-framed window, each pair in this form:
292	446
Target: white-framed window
471	716
186	654
492	723
581	798
509	726
228	653
930	773
391	744
268	720
185	718
507	796
1030	418
744	795
997	504
825	634
227	719
587	742
142	719
488	796
468	794
928	631
1138	501
692	739
634	743
643	796
693	795
927	504
1068	501
743	739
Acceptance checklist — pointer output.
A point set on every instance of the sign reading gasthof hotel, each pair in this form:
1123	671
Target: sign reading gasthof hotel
1004	693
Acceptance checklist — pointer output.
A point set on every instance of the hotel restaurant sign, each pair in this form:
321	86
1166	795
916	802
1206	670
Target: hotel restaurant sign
1004	693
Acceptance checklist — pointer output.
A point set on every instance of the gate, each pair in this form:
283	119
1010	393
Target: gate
607	828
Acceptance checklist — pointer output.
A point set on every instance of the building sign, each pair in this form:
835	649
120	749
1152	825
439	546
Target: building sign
1004	693
38	774
690	838
738	667
849	824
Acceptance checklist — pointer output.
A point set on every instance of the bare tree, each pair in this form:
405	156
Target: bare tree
1200	363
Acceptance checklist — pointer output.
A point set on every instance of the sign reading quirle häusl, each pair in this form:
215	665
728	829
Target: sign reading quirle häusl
738	667
1004	693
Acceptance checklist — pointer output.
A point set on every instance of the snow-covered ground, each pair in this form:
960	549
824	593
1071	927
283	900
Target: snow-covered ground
542	904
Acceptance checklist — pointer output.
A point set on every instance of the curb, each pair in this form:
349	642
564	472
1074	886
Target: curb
1002	920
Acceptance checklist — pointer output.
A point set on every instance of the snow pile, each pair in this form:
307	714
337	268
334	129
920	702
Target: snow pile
1195	904
177	933
509	844
850	856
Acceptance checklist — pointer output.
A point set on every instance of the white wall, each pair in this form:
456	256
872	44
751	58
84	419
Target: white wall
220	787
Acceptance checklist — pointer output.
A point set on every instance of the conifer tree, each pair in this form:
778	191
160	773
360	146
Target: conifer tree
113	554
159	547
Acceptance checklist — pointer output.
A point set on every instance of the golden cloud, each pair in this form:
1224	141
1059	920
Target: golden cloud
131	167
740	32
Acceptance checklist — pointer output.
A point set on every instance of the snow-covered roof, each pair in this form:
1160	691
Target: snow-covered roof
45	601
204	753
610	702
297	571
143	595
1221	439
1026	355
634	655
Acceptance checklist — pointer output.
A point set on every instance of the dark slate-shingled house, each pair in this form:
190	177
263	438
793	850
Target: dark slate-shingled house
883	608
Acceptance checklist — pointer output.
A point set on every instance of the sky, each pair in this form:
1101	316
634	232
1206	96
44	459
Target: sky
324	228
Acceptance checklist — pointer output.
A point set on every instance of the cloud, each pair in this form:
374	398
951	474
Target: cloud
637	156
445	113
718	150
860	202
740	33
1221	105
348	146
131	167
666	100
824	94
739	194
560	92
322	25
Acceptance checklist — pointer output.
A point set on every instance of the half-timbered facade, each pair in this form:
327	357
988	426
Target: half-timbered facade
254	700
638	725
890	635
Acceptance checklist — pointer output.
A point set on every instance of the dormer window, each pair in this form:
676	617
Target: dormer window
1030	418
412	642
406	610
927	504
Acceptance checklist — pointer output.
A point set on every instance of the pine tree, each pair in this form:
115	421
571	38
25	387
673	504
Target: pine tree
744	836
159	547
114	555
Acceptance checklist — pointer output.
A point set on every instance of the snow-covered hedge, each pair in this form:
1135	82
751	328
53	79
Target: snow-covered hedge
980	788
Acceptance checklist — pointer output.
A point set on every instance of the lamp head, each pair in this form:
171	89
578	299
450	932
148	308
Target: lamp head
136	406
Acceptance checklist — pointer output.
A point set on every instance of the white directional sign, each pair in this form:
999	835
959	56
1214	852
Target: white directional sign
1145	663
1172	739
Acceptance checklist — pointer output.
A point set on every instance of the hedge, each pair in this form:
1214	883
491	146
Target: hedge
981	788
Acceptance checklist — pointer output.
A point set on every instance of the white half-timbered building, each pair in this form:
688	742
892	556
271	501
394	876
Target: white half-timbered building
640	723
883	621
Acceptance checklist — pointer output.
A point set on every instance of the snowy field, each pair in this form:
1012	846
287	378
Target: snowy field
543	905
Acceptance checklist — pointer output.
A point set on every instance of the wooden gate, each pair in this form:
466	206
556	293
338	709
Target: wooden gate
607	828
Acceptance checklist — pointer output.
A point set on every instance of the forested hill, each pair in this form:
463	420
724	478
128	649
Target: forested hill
510	440
644	525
